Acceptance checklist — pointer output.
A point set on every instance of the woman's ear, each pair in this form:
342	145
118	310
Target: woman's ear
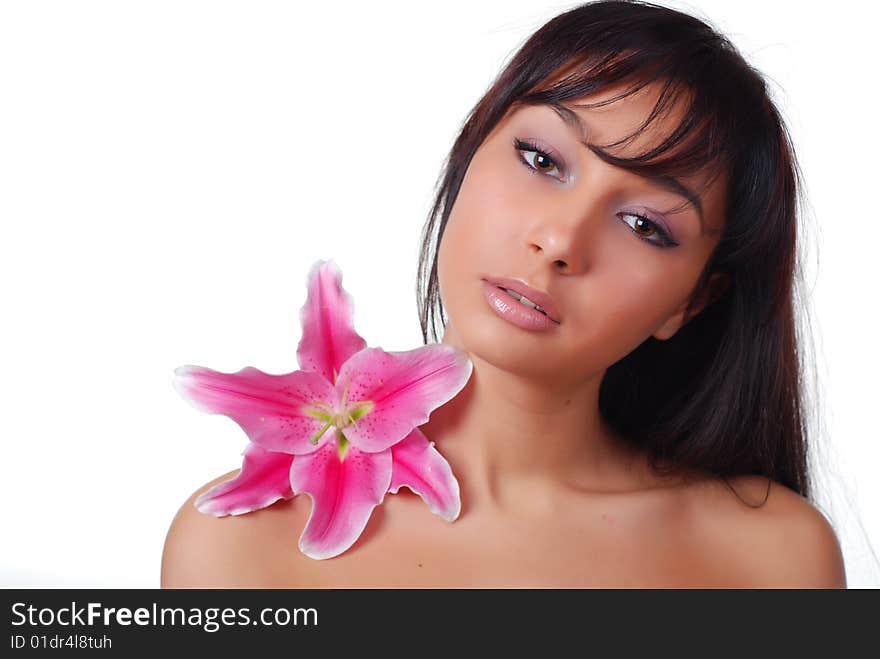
714	289
718	285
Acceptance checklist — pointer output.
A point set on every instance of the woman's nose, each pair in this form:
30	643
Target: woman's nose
564	239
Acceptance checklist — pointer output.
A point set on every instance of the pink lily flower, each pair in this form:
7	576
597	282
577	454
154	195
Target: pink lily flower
343	429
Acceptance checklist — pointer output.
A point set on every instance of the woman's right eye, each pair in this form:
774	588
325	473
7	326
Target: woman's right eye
541	157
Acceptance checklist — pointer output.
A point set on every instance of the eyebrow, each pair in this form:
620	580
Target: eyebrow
574	121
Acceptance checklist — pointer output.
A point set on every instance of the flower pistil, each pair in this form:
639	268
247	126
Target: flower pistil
338	418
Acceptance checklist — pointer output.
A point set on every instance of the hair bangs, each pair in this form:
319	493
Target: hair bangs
695	147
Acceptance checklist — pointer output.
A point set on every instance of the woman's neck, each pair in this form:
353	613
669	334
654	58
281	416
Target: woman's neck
509	438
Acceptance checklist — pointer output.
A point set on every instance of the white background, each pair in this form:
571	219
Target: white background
169	171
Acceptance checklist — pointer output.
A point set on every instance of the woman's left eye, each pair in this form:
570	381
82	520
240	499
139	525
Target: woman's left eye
542	157
643	223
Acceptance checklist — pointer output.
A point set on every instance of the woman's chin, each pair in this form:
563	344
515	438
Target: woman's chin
486	347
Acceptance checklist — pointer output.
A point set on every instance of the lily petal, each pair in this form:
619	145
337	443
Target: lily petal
416	464
271	409
343	495
264	479
328	337
404	387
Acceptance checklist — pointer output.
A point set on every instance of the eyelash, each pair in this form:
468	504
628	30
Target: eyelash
524	145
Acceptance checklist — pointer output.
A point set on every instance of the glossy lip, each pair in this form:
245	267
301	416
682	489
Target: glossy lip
503	304
540	298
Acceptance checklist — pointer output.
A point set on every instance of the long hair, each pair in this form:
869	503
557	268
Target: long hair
725	394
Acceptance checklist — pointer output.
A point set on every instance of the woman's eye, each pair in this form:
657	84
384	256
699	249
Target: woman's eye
644	228
543	161
647	230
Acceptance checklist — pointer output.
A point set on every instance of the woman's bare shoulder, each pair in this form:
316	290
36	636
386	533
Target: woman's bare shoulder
253	550
766	535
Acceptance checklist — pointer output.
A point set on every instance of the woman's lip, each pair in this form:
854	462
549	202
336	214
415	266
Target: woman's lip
515	312
540	298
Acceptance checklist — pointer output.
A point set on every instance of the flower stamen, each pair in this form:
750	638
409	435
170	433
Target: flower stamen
314	439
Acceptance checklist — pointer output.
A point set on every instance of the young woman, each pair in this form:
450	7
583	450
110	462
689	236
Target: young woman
628	174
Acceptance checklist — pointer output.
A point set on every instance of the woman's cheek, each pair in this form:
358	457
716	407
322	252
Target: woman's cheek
617	319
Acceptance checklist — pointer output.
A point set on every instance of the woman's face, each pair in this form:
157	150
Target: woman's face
566	225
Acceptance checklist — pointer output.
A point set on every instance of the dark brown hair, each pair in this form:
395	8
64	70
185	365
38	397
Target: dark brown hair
725	394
